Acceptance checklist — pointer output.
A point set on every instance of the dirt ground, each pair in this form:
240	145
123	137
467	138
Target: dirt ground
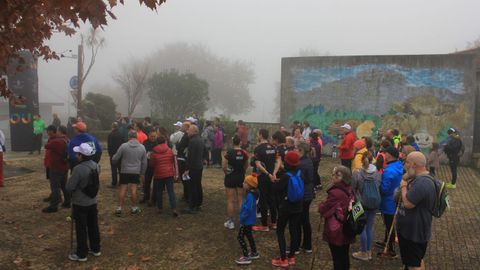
30	239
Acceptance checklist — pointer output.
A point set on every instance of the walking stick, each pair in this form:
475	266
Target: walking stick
315	247
384	253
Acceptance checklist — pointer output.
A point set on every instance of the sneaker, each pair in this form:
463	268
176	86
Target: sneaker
452	186
291	261
260	228
229	224
280	262
288	251
259	215
363	256
306	250
273	226
135	210
243	260
74	257
96	254
49	209
118	212
253	255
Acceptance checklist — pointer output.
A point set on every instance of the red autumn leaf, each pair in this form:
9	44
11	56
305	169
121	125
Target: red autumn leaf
130	254
144	258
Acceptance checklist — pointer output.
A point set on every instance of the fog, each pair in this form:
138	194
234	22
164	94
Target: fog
261	33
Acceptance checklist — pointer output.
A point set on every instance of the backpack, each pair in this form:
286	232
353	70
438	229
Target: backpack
93	185
370	195
356	219
295	187
441	200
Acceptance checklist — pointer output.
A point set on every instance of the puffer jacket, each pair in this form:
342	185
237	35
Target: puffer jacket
391	177
162	160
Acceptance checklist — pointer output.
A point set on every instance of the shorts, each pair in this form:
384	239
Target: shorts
412	253
234	180
129	178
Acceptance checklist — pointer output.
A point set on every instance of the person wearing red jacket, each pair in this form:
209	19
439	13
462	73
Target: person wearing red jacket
57	166
163	162
346	147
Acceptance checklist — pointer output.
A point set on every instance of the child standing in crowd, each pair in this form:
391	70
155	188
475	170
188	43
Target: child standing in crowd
434	159
248	214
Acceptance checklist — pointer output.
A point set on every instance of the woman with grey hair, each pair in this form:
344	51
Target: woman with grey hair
333	209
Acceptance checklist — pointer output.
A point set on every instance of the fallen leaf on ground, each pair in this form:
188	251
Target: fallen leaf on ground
144	258
110	231
179	229
133	267
41	235
130	254
18	260
102	223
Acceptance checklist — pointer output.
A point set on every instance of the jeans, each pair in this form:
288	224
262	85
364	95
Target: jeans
115	168
195	188
246	231
148	184
293	221
453	168
340	257
160	187
267	199
366	237
86	223
306	227
57	183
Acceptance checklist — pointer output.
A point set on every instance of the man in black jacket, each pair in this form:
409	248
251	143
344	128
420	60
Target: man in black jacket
454	150
182	157
115	139
194	169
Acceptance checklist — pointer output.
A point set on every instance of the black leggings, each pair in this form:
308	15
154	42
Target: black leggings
267	199
305	226
340	257
293	221
246	231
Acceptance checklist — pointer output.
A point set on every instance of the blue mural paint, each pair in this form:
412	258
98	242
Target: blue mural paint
437	78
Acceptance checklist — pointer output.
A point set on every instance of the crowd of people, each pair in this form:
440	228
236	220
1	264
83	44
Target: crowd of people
388	175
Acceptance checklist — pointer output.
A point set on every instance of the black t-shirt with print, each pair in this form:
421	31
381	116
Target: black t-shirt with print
266	154
236	160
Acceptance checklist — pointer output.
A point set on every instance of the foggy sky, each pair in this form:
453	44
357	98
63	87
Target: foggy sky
262	32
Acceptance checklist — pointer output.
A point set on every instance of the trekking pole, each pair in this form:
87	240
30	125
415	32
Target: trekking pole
69	219
315	247
384	253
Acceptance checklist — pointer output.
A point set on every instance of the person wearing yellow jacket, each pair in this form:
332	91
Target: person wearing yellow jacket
360	147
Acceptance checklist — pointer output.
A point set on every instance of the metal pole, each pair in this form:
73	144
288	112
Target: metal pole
80	79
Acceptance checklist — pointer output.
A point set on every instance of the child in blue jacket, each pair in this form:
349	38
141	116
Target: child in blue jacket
248	215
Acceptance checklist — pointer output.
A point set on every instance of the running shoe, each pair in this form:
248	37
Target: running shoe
229	224
74	257
280	262
253	255
260	228
243	260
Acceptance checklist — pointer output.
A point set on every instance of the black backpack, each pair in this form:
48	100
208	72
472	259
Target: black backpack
93	185
441	199
356	218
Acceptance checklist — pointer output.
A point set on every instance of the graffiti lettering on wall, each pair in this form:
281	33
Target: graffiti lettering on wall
424	102
20	118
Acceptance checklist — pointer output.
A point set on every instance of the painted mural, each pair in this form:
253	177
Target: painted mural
422	101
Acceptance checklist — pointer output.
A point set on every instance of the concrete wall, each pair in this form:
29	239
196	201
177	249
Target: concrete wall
422	95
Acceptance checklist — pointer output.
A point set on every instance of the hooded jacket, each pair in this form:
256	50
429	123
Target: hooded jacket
132	157
391	177
360	175
83	138
333	210
79	180
346	147
162	160
357	160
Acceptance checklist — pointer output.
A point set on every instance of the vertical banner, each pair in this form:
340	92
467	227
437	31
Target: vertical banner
23	81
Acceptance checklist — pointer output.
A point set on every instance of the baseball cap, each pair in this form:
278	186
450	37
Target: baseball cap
451	130
84	149
347	126
178	124
81	126
392	151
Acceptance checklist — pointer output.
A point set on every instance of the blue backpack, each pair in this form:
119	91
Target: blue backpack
295	187
371	195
